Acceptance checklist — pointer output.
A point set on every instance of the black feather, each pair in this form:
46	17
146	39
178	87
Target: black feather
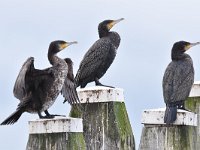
170	114
99	57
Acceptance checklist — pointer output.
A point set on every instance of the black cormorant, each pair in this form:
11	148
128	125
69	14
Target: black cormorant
69	85
37	89
100	56
178	80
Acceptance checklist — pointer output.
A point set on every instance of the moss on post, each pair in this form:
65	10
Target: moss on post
106	125
167	138
56	141
193	104
56	134
76	142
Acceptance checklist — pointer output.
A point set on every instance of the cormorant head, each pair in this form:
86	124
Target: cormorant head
59	45
183	46
68	61
179	48
106	25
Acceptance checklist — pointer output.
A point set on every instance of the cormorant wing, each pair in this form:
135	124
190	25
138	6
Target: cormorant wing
69	88
94	58
19	90
29	78
177	81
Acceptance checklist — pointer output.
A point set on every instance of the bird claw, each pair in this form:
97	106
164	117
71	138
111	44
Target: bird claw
57	115
109	86
105	85
47	117
50	116
98	83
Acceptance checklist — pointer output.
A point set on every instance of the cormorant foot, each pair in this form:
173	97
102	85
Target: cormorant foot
105	85
98	83
54	115
48	115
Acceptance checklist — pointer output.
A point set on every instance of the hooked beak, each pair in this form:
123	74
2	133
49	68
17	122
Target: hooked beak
66	44
191	45
70	43
194	44
114	22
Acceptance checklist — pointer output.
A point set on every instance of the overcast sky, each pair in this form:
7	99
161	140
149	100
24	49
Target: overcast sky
147	34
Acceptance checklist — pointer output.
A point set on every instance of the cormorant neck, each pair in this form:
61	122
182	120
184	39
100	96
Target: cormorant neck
70	74
178	55
52	57
115	38
103	33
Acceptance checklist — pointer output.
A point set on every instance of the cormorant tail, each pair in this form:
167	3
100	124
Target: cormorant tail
13	117
170	114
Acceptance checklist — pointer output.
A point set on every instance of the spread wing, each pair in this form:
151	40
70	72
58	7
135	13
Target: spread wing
93	59
19	90
69	88
177	81
30	78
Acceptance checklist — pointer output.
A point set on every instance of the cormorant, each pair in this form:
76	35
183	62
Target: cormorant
69	85
37	89
178	80
100	56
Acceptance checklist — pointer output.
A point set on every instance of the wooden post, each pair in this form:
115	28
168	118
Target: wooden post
184	134
106	124
56	134
193	104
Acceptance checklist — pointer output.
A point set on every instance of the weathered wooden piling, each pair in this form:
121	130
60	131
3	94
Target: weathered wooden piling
193	104
184	134
106	124
56	134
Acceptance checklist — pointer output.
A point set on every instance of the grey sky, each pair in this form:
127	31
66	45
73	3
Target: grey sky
148	32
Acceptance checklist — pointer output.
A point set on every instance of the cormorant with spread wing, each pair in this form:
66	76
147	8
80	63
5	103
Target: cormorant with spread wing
178	80
37	89
100	56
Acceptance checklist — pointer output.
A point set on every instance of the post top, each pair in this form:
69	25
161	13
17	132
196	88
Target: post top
163	109
195	91
55	125
97	94
156	117
196	82
56	118
96	88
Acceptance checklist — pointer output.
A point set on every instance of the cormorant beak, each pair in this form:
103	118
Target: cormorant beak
62	46
191	45
194	44
70	43
114	22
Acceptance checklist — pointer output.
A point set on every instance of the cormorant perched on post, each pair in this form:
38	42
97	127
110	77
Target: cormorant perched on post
36	89
178	80
100	56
